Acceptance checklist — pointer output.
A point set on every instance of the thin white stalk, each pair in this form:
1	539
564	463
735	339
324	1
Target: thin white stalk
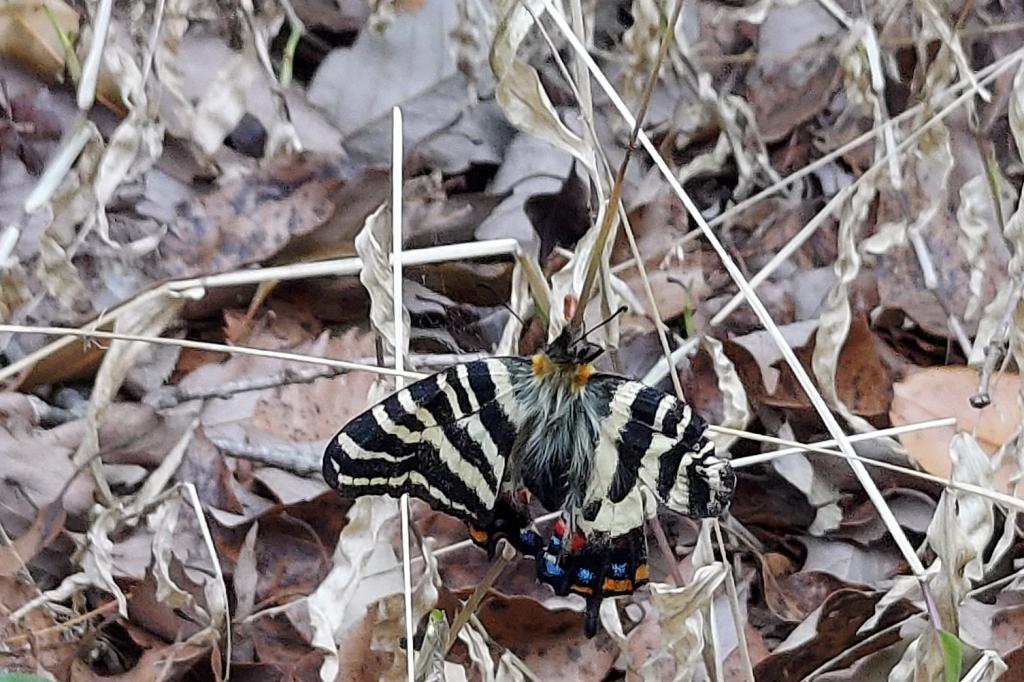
91	65
196	287
8	240
1008	501
218	573
836	11
347	266
734	604
71	145
207	346
763	457
890	521
408	374
660	370
399	340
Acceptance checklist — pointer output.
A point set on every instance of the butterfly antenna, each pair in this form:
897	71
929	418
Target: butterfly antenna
514	314
587	332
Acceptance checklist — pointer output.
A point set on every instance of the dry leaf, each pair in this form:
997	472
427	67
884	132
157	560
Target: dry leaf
945	392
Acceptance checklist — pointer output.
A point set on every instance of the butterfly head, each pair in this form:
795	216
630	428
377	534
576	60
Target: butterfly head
577	351
570	350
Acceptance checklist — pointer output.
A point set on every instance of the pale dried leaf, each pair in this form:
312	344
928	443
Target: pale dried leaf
609	288
373	244
329	603
977	219
837	314
246	574
163	521
735	406
519	90
430	664
223	104
928	178
479	654
922	661
148	317
680	614
95	560
820	492
382	69
989	668
961	529
524	273
389	628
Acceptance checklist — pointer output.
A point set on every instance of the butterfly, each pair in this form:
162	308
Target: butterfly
479	439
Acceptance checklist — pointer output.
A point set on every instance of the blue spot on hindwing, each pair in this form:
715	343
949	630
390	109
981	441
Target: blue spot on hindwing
552	570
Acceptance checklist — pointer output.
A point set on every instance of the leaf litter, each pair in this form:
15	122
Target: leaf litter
163	516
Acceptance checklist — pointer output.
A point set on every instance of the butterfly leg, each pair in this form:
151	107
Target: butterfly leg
507	520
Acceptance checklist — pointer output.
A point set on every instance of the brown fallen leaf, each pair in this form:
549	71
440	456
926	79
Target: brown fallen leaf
945	392
864	374
49	522
791	81
36	640
837	621
550	642
252	218
792	596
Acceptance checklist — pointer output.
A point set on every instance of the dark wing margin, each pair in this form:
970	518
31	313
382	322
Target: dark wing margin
650	445
444	439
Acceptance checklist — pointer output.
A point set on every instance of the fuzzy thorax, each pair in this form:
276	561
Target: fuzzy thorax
573	375
561	422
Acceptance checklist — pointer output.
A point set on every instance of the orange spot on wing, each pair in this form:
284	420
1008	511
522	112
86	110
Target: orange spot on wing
479	536
580	589
581	376
617	586
642	572
541	365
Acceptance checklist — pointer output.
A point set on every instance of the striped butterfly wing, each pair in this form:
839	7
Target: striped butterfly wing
444	439
650	447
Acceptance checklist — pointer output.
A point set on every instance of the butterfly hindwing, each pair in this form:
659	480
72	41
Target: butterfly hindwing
444	439
649	445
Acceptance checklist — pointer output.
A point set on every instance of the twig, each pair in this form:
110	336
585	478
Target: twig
506	554
597	255
67	624
398	317
734	600
301	459
171	396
